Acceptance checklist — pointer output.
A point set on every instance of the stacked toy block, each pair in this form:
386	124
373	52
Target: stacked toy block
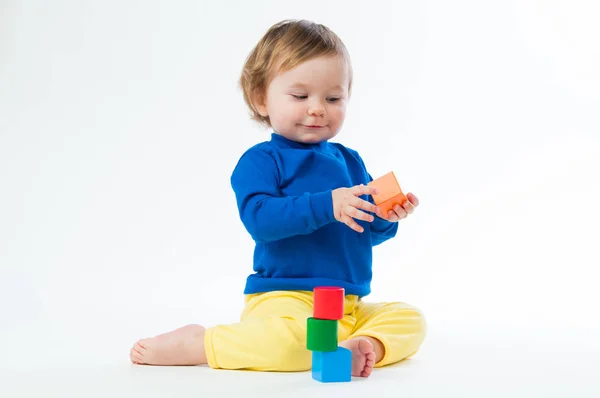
389	194
330	363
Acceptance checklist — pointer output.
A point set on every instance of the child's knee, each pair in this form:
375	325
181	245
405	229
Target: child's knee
407	314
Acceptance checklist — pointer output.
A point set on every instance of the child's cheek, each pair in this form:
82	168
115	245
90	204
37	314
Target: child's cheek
338	114
299	112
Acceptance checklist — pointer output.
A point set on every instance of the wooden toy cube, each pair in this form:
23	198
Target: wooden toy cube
321	334
328	302
332	367
389	194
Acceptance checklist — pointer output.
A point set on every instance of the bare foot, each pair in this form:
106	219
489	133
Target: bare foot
363	356
183	346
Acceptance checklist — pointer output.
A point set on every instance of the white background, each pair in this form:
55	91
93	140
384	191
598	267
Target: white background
120	124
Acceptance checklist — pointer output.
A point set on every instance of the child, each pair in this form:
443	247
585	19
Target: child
301	199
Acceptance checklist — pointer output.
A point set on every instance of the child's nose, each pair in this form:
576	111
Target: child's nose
316	110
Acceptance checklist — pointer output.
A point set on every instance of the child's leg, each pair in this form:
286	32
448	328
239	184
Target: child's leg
270	337
399	327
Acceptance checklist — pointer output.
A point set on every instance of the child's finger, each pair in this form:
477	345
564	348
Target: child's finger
349	221
365	205
400	212
355	213
364	190
391	216
412	198
408	207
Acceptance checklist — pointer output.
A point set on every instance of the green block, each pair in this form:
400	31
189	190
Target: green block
321	335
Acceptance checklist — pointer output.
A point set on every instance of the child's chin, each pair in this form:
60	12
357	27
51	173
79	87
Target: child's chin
314	138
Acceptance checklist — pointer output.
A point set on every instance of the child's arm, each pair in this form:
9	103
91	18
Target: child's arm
266	214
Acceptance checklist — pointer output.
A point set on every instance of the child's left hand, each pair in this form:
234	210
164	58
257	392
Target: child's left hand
400	212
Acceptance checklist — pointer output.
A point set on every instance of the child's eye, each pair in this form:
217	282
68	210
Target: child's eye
300	97
333	99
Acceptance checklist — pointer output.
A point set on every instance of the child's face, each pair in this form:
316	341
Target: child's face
308	103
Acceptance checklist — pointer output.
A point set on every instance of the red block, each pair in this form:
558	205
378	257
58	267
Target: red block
328	303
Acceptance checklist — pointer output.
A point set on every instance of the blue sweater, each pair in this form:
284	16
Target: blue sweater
283	192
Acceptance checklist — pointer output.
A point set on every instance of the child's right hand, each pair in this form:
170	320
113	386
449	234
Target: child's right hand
346	205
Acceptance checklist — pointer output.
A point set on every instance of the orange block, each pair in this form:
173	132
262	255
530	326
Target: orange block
389	194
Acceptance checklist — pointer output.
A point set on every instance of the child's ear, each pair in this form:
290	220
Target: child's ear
258	99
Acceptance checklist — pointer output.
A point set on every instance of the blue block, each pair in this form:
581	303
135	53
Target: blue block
332	367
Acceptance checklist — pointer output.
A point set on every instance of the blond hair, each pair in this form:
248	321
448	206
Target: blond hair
284	46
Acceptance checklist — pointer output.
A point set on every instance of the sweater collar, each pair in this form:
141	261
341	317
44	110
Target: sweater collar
282	141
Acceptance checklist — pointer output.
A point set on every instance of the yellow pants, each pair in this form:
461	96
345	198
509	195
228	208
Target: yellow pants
271	335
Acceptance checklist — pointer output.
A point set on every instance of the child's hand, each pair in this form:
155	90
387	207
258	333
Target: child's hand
400	212
346	205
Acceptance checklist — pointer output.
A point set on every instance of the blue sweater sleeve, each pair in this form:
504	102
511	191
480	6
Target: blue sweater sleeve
268	215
